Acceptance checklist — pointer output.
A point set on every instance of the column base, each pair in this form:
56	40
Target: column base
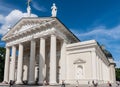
40	83
53	83
31	82
19	82
5	82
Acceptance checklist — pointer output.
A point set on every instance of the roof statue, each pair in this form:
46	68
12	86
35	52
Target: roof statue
28	8
54	10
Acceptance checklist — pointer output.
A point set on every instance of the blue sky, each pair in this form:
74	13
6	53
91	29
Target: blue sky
87	19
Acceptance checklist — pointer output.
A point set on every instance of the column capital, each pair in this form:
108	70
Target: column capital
7	47
14	46
20	43
42	38
53	35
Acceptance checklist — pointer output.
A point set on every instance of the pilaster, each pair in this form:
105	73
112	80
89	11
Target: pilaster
94	65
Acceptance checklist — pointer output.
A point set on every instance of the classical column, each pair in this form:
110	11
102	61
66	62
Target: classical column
7	64
42	61
94	65
63	61
12	67
20	63
53	60
31	78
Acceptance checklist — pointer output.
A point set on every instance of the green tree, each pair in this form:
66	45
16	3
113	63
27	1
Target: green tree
2	60
117	70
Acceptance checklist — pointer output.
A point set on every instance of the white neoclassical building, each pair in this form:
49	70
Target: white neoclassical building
42	48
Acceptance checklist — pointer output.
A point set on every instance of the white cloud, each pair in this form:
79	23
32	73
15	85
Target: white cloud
11	19
103	31
39	8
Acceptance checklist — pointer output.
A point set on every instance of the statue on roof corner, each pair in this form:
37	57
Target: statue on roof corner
54	10
28	8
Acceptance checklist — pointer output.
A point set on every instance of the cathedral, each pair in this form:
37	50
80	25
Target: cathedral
42	49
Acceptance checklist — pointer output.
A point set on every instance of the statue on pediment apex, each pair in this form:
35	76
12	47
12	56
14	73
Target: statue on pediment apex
54	10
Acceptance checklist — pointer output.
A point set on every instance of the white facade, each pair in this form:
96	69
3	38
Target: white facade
39	49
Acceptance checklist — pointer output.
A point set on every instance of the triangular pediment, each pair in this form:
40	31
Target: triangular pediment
26	24
32	25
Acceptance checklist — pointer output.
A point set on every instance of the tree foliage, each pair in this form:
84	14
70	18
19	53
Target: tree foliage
117	70
2	60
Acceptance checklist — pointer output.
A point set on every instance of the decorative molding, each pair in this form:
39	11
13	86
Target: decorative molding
79	61
25	27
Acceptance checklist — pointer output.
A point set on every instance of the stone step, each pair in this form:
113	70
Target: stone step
104	85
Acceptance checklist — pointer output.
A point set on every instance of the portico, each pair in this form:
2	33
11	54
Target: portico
32	62
41	49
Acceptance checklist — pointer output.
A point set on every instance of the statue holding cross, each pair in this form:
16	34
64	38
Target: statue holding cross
28	2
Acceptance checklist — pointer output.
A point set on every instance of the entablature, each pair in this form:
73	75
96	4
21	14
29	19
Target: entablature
35	35
28	28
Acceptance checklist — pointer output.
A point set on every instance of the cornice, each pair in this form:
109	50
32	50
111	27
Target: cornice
82	45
